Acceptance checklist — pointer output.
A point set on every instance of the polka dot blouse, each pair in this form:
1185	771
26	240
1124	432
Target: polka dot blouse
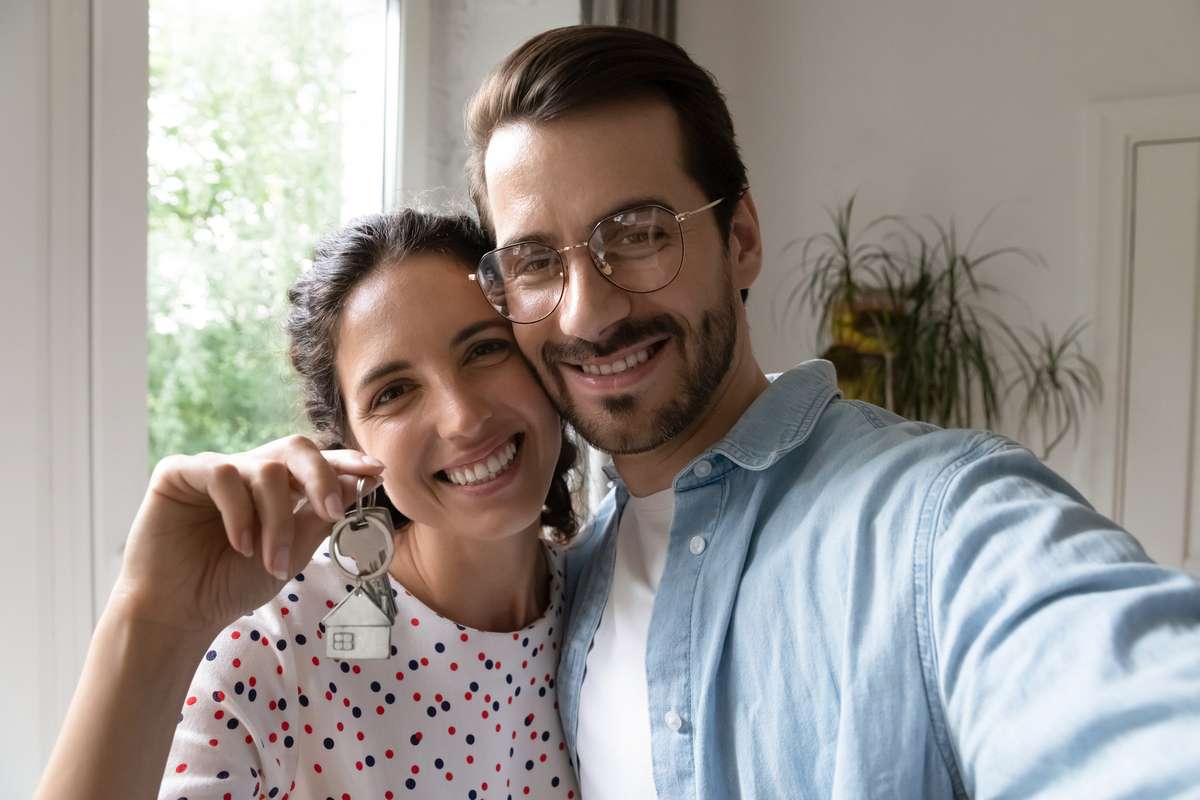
454	713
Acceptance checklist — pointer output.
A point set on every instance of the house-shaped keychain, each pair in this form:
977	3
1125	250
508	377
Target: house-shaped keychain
357	628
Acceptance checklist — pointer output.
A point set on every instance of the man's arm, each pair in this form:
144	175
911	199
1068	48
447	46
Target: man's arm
1060	661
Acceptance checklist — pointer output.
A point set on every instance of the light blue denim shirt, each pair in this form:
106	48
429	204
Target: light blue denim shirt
882	609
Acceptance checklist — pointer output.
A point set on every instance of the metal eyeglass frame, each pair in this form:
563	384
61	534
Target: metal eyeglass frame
603	268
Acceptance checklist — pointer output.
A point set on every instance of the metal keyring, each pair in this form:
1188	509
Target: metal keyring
360	519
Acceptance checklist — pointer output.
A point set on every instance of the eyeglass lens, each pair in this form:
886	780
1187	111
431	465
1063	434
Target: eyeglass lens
640	250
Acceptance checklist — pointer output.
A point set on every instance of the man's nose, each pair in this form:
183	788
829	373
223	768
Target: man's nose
590	305
462	411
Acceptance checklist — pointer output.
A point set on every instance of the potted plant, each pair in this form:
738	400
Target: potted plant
901	314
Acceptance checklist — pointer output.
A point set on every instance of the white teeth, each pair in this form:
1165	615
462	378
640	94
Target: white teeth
484	470
620	365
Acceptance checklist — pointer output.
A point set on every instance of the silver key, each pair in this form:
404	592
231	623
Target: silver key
360	626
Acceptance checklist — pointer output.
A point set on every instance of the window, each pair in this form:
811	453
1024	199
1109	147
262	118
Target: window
267	130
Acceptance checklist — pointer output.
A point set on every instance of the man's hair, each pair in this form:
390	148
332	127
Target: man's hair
566	69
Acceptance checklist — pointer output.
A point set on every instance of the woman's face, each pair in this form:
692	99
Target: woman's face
437	390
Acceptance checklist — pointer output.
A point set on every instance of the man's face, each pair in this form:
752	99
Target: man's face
671	349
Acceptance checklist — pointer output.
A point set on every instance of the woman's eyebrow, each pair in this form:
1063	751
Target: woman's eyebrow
475	327
381	370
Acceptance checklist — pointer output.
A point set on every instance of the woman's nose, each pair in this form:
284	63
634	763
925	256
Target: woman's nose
463	412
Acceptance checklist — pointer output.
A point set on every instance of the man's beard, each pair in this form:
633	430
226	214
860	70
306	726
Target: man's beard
627	428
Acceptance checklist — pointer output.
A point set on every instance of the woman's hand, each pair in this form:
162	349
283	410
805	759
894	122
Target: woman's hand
216	534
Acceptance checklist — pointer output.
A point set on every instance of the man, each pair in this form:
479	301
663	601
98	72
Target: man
788	594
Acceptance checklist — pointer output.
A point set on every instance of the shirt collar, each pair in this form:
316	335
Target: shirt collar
782	417
778	420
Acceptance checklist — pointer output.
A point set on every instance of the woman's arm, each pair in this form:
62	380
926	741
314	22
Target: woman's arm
215	538
118	728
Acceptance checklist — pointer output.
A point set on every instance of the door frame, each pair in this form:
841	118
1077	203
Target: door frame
1114	131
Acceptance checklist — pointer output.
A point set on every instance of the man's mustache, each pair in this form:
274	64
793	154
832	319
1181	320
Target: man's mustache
627	333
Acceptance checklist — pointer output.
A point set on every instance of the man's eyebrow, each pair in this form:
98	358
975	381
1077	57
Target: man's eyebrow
624	205
475	327
381	370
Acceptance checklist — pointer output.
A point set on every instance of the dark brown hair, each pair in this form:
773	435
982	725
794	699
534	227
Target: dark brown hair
341	261
566	69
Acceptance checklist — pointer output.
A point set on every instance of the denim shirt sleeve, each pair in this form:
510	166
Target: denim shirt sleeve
1059	660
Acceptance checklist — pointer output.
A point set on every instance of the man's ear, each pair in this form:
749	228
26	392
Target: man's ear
745	243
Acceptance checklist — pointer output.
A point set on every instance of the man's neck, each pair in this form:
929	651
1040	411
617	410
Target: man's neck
655	470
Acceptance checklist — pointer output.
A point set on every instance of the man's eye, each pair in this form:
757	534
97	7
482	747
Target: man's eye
531	267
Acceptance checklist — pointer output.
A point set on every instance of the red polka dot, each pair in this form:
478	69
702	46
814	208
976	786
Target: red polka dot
213	742
416	697
451	730
191	701
462	637
449	776
388	753
415	769
379	710
317	768
181	768
414	621
284	611
399	676
454	666
235	635
237	662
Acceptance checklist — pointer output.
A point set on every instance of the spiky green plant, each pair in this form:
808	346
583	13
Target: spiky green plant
947	350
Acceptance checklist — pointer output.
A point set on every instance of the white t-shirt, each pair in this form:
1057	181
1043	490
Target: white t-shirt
454	713
614	707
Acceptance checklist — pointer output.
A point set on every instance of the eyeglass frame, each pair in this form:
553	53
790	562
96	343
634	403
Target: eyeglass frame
679	216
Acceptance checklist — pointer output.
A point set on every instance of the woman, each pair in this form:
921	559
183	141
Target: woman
408	377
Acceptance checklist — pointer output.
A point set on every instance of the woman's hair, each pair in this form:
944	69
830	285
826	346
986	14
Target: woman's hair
341	261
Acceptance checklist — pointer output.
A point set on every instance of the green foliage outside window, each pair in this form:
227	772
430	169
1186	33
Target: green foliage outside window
245	171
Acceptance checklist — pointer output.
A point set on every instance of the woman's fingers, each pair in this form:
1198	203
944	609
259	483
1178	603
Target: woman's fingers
311	531
270	487
233	500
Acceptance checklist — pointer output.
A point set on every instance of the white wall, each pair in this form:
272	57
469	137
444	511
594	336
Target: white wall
72	341
25	345
942	107
467	39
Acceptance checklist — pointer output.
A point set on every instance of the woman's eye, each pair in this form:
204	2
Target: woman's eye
490	351
389	394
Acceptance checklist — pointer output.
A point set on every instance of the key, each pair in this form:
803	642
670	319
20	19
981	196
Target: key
360	626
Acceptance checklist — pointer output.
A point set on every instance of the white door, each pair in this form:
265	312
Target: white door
1155	476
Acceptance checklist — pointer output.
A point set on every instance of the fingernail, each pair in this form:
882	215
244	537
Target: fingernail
247	545
333	507
371	460
283	559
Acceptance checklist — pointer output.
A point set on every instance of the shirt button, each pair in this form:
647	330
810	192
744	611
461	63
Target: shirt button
673	720
703	469
697	545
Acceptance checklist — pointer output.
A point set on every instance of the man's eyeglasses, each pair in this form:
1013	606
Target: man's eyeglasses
640	250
